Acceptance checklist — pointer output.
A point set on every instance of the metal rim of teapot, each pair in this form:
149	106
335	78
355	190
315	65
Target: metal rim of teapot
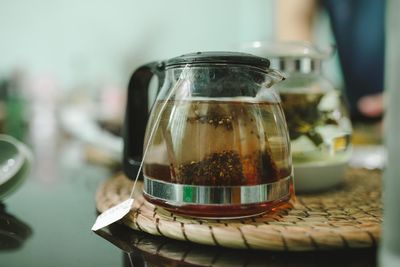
293	64
184	194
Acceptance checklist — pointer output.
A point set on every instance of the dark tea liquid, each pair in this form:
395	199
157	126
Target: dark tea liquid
228	143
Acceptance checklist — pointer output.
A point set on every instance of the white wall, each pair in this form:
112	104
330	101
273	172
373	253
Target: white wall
94	43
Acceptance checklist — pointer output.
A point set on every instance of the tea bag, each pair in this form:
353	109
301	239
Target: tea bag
120	210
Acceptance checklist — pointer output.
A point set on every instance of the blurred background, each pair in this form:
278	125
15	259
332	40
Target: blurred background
65	65
56	53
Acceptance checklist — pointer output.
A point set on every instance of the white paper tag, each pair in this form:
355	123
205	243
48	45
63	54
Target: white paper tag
113	214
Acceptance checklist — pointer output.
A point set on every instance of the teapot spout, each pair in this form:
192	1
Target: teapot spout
273	77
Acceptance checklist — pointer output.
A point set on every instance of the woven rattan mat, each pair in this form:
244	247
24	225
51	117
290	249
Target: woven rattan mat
346	217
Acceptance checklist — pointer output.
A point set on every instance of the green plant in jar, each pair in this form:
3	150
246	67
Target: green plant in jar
317	119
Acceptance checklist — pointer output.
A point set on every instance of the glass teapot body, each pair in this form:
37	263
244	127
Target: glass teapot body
216	142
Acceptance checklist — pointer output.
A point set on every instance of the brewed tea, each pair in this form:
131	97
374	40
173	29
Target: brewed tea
214	147
218	143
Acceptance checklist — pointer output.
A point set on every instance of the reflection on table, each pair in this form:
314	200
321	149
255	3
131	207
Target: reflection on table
140	249
13	231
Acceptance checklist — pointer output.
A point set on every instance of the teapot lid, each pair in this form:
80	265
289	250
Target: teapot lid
288	49
215	57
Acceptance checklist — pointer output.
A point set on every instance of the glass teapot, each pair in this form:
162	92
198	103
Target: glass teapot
216	142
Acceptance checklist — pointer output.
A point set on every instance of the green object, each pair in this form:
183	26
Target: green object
188	194
14	124
13	107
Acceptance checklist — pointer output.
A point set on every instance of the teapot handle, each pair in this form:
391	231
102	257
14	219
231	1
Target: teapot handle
136	114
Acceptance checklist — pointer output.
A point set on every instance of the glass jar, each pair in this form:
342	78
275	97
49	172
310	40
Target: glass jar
216	143
316	114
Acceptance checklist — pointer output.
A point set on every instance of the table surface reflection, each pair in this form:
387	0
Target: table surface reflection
142	249
47	221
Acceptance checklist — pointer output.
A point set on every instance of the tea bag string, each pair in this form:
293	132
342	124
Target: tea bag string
157	122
